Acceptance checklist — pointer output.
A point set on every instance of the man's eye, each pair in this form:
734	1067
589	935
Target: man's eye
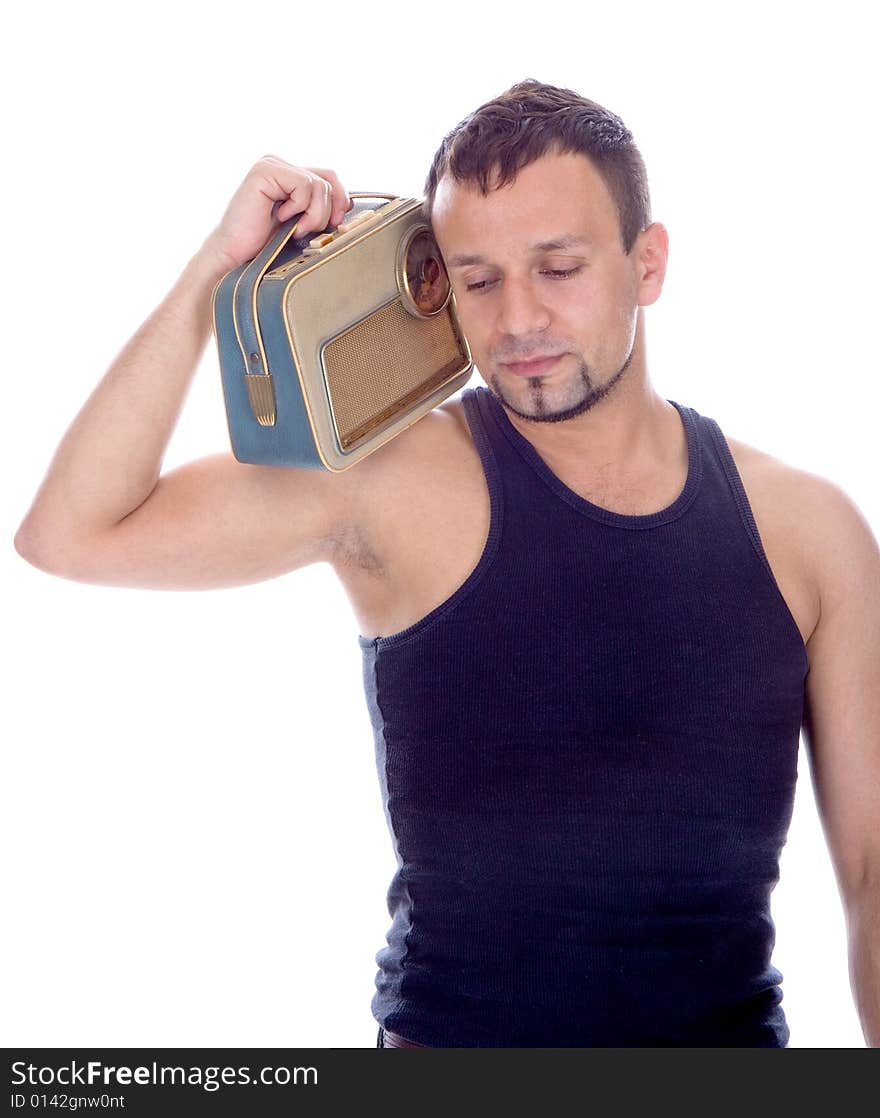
556	273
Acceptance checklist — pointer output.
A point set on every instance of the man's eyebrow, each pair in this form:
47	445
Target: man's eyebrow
563	241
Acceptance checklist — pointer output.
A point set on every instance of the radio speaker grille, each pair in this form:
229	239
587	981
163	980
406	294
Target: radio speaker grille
385	363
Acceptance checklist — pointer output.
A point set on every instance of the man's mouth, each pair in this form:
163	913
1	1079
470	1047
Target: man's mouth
532	368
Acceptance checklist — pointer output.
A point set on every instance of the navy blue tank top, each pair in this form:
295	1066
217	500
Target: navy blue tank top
587	756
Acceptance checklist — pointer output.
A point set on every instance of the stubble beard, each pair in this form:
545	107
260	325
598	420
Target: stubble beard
590	395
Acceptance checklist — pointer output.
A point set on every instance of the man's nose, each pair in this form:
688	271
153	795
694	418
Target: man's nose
521	309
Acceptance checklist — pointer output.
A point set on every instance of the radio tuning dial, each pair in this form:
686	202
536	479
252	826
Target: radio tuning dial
421	273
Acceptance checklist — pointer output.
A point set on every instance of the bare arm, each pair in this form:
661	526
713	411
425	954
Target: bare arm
842	732
90	517
109	460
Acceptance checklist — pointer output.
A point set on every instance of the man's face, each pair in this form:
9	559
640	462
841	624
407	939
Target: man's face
538	269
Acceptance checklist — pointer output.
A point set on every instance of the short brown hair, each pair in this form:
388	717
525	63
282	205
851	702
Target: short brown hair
526	122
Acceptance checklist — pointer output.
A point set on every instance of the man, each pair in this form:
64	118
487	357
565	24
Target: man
592	626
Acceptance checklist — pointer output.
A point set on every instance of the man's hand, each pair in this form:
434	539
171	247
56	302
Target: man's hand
272	192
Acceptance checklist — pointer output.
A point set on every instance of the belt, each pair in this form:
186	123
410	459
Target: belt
393	1040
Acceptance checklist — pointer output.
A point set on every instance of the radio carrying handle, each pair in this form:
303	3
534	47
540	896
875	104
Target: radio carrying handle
258	376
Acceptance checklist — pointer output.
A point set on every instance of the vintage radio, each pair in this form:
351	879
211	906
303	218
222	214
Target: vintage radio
333	344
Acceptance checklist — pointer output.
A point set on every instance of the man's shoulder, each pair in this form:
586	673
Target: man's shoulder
430	438
433	434
794	489
815	514
429	469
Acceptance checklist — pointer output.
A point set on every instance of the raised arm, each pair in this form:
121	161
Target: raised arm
104	514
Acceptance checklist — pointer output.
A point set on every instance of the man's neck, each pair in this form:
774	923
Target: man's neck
630	432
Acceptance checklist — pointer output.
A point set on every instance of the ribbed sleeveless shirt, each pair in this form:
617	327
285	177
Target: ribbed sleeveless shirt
587	757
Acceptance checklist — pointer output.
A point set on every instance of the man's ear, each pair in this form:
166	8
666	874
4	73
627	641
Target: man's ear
650	253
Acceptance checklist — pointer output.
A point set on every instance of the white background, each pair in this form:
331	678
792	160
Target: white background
185	867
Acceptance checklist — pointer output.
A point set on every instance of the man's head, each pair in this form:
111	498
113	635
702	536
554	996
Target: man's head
539	203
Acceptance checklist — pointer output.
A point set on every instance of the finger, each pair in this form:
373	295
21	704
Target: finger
317	213
342	200
295	201
289	187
